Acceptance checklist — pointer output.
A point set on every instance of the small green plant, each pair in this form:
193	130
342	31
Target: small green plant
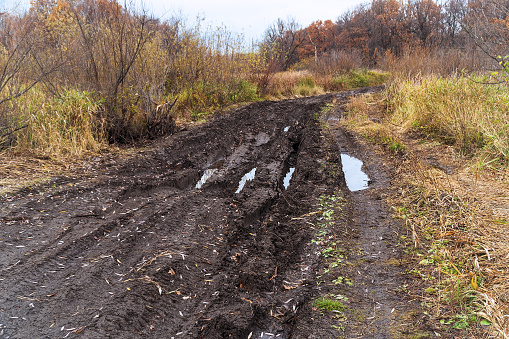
339	280
327	304
328	252
460	321
338	327
328	108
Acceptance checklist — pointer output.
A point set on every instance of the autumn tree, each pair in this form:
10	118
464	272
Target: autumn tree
281	43
321	38
453	15
425	21
353	28
487	22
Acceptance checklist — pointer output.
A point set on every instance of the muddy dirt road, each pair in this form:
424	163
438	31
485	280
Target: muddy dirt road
207	235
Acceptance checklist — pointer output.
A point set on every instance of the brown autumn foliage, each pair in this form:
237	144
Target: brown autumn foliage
386	26
144	73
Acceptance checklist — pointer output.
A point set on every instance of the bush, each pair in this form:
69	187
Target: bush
360	78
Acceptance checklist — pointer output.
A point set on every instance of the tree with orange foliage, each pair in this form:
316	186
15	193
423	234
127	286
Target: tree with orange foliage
388	26
353	28
425	21
321	37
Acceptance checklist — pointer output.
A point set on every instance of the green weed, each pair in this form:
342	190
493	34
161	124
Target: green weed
327	304
361	78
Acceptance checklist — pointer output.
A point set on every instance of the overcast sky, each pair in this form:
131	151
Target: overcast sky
244	16
253	17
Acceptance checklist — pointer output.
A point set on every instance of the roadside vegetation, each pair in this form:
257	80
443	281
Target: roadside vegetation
79	78
447	138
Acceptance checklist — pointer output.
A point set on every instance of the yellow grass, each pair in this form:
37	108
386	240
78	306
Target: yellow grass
472	116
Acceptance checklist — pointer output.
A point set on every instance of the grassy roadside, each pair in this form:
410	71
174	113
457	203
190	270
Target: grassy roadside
448	141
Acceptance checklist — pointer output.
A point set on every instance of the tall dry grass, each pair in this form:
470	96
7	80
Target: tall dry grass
462	219
64	126
456	110
418	61
457	223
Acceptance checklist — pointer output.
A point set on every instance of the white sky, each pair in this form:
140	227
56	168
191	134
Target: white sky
243	16
253	17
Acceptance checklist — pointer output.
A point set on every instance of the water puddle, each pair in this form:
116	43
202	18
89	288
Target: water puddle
288	177
356	179
286	129
206	176
208	173
332	120
265	335
247	177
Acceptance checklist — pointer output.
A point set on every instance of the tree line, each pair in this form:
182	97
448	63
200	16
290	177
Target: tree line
390	26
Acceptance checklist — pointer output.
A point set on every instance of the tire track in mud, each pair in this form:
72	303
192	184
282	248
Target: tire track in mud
367	272
138	250
380	306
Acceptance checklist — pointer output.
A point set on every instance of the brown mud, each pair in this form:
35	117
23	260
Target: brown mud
138	250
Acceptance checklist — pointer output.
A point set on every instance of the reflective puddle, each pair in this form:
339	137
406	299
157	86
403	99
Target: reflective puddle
288	177
209	172
356	179
266	335
286	129
206	176
247	177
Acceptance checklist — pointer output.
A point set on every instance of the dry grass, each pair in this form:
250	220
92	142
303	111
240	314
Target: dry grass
416	61
365	114
455	219
308	82
17	171
66	126
456	212
291	83
458	111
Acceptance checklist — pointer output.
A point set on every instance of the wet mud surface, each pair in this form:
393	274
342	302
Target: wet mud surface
174	244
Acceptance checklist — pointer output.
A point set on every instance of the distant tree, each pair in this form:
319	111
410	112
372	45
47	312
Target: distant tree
353	28
425	21
281	42
387	27
453	14
322	36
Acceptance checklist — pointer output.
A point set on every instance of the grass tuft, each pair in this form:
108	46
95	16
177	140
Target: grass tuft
327	304
360	78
